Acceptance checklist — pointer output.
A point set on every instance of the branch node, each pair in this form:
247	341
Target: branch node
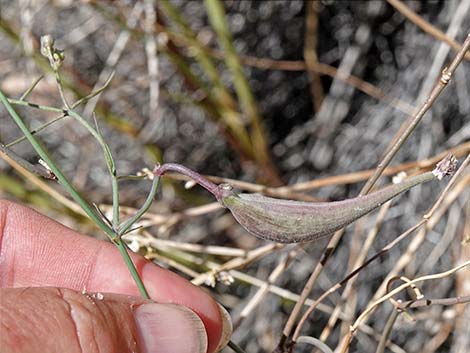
445	76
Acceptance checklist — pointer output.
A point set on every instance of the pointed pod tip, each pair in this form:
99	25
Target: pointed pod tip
445	167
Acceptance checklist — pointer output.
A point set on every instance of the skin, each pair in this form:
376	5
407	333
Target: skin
45	266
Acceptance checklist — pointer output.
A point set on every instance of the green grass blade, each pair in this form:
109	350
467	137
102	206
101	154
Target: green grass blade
216	14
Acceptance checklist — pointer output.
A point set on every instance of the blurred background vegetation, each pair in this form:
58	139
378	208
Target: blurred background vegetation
273	93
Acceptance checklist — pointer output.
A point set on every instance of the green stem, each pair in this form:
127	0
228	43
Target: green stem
94	93
22	101
58	173
30	89
148	202
201	55
216	14
74	194
60	87
109	162
130	265
37	106
115	190
35	131
107	153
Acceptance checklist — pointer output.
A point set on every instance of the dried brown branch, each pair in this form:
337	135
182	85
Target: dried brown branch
425	302
293	191
414	120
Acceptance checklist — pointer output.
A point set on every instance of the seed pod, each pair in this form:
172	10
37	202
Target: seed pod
287	221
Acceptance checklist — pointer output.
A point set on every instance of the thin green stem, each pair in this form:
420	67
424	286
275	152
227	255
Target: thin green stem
37	106
148	202
22	101
107	153
35	131
70	82
131	177
87	208
58	173
61	88
109	162
94	93
30	89
216	14
130	265
113	172
56	58
115	190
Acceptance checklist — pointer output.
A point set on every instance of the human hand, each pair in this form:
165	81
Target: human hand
52	296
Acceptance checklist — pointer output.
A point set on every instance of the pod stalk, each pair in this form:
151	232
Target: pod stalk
217	190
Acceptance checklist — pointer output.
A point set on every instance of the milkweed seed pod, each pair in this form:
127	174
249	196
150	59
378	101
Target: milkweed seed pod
288	221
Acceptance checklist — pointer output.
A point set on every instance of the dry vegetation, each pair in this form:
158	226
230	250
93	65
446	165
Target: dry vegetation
298	100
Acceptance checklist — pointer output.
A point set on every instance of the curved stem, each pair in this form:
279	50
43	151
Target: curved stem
198	178
148	202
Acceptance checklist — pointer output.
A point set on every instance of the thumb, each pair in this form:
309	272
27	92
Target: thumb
62	320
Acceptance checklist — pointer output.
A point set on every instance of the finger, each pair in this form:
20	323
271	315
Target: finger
36	251
62	320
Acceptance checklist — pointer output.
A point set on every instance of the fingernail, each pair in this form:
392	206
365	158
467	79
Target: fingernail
169	328
227	328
